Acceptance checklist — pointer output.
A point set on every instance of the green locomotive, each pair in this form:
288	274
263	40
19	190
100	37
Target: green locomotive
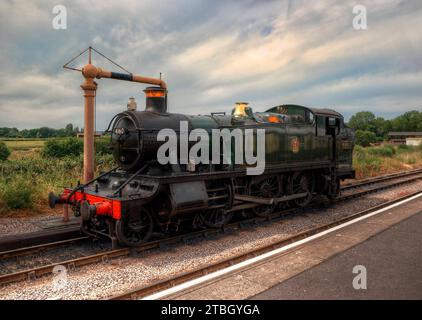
307	152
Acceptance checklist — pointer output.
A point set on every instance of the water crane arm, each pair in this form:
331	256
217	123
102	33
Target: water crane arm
91	71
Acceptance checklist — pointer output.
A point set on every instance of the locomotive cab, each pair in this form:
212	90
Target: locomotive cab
331	124
331	136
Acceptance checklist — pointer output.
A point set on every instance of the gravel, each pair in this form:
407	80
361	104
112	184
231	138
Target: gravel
9	226
53	255
117	276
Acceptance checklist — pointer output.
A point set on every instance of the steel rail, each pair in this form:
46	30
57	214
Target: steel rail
41	247
106	255
209	268
376	188
382	178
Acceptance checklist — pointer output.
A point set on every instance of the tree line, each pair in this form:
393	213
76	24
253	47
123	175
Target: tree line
371	129
43	132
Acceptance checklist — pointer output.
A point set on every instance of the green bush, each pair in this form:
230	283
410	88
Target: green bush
382	151
102	147
391	147
364	138
59	148
17	195
403	147
365	162
4	151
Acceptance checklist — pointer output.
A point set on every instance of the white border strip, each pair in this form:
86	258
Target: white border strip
266	255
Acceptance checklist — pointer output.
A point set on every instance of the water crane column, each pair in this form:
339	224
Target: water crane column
89	87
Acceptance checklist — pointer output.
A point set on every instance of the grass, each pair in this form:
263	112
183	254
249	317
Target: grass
27	177
30	177
374	161
18	195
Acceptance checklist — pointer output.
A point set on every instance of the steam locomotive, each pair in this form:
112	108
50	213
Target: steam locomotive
307	152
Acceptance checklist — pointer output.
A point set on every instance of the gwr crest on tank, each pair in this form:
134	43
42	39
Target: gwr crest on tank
295	145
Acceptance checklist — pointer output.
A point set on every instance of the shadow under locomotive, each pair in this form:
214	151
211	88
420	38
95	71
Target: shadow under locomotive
307	152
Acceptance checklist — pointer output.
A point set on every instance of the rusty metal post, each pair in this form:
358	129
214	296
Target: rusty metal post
89	87
65	212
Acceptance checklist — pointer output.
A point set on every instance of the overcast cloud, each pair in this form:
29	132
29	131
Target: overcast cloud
211	54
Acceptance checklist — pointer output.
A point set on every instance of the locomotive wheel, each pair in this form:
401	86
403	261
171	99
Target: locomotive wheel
134	230
215	218
301	183
268	187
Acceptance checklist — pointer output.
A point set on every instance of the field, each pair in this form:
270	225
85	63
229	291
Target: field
24	144
27	176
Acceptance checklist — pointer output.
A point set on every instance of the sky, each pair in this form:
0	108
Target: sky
211	54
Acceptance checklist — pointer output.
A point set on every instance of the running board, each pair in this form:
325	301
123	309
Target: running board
269	201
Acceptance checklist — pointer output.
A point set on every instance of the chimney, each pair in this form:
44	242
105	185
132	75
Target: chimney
156	99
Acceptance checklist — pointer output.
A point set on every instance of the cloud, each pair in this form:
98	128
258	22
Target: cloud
211	54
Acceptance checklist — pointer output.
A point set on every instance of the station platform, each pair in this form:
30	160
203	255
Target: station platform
388	245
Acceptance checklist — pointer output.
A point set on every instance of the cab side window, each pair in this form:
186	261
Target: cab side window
321	127
333	126
310	118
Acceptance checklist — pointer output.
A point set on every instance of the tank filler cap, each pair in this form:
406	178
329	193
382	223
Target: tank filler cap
132	105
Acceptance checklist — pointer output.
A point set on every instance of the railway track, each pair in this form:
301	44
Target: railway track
384	178
41	247
359	190
207	269
351	191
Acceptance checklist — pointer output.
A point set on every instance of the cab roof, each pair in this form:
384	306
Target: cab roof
316	111
325	112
